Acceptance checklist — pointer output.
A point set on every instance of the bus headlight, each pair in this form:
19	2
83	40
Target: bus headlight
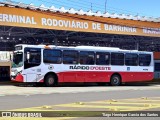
14	72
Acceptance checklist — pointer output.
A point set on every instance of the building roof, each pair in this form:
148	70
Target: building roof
79	12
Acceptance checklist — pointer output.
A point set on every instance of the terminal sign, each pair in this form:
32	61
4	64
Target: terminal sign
36	19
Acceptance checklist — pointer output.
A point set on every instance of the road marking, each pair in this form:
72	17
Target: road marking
132	104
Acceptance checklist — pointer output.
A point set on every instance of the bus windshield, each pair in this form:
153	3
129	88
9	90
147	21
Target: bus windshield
17	60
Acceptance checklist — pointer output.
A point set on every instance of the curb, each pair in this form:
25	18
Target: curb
8	83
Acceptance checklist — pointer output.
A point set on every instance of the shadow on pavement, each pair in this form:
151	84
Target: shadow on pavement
150	83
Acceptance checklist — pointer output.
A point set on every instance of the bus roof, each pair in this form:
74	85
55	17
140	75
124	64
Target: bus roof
87	48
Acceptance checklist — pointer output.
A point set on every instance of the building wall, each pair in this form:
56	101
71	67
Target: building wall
5	65
6	55
5	69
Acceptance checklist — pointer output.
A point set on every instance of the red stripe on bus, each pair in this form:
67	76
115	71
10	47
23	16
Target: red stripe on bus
19	78
41	81
89	76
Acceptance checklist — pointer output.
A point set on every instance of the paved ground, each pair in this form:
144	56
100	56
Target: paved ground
115	101
131	97
25	89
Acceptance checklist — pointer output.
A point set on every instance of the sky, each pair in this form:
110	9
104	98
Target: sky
149	8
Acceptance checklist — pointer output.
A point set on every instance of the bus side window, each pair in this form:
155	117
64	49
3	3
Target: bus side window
144	59
70	57
59	60
52	56
90	60
87	58
117	58
102	58
131	59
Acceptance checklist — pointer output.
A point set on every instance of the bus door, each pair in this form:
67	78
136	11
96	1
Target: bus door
32	61
31	75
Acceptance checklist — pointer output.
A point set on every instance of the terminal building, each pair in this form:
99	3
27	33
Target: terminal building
28	24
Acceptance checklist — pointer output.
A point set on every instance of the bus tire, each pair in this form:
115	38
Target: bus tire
50	80
115	80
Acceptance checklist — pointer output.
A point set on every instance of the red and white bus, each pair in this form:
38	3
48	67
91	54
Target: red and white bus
51	65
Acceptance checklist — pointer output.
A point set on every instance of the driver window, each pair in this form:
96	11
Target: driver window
34	59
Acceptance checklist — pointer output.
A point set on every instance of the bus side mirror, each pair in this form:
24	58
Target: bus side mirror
28	55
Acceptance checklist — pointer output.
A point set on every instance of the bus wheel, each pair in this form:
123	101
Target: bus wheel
50	80
115	80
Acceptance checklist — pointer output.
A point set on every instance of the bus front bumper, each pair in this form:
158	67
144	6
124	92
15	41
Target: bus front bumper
17	78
